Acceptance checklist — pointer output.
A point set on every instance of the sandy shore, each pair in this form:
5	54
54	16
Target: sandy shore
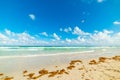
61	67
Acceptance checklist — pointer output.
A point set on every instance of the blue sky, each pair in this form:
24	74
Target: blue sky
60	22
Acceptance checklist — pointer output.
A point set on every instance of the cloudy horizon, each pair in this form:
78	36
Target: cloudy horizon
82	38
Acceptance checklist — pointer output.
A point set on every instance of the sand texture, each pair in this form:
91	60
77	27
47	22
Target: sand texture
102	68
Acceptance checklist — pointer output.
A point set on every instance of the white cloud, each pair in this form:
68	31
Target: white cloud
32	16
11	38
56	36
99	38
8	32
68	40
3	37
78	31
81	39
69	29
100	1
82	21
116	39
66	30
116	22
44	34
25	37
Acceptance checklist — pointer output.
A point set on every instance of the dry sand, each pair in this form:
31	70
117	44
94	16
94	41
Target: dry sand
101	68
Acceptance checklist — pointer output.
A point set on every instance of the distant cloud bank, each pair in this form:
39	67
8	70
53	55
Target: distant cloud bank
97	38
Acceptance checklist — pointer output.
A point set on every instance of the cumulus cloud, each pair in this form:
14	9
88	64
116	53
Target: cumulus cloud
56	36
69	29
32	16
24	38
8	32
78	31
116	22
80	38
102	36
68	40
44	34
97	38
3	37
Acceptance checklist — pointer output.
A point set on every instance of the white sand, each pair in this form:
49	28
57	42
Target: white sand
14	67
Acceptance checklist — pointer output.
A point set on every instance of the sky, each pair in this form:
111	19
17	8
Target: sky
60	22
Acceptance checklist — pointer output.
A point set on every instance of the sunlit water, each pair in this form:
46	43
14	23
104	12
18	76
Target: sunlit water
40	51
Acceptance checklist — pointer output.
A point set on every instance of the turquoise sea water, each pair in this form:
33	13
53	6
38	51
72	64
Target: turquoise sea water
35	51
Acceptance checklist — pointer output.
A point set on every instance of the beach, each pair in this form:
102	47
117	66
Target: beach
59	40
102	64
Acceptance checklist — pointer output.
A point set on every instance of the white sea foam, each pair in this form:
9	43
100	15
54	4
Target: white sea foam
53	54
14	52
20	49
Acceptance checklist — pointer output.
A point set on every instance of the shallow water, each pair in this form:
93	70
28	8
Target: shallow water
44	51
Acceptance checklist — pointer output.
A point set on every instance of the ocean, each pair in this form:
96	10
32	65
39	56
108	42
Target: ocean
45	51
